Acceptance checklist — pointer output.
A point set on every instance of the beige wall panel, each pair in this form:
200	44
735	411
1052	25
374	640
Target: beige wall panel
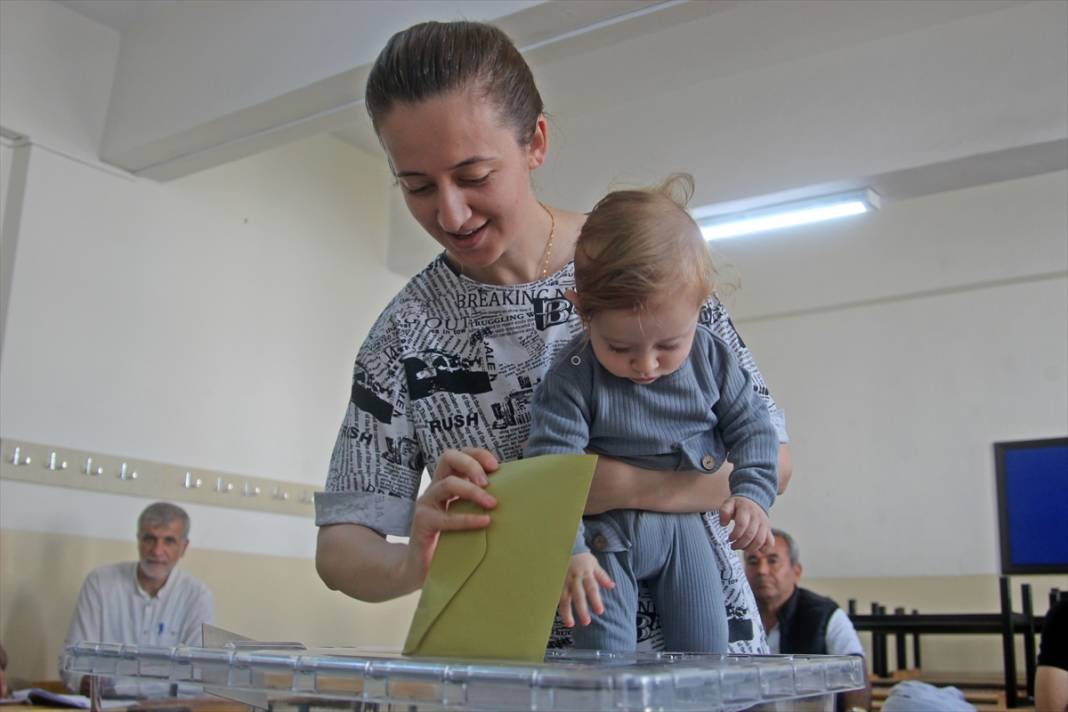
262	597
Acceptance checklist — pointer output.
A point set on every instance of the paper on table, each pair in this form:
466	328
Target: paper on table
37	696
492	593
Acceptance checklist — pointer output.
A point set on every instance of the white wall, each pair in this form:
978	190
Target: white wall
14	160
209	322
35	509
7	155
902	346
6	151
56	72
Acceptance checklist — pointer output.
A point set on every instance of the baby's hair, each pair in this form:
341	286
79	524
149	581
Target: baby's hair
641	246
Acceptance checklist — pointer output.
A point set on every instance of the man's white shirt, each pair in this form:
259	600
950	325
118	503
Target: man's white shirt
113	608
842	638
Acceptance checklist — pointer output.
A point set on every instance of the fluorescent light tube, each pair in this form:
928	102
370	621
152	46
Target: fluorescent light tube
777	217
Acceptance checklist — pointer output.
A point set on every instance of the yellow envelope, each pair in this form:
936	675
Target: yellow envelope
492	593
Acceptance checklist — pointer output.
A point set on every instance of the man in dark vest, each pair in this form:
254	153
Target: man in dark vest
797	620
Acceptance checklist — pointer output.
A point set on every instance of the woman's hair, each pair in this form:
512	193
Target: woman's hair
641	246
435	58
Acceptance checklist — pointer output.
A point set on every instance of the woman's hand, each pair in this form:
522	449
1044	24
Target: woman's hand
785	470
358	561
460	474
582	590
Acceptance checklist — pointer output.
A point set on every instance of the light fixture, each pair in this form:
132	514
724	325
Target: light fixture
783	215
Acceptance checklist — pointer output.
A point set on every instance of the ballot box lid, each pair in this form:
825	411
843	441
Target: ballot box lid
572	680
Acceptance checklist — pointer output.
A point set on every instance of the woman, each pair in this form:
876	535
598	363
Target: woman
445	376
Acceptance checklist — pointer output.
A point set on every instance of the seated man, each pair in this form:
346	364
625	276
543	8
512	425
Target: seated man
797	620
147	602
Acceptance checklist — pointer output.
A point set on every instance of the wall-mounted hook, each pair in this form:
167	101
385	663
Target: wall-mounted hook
54	463
250	490
280	493
90	470
191	482
18	459
307	498
223	487
126	474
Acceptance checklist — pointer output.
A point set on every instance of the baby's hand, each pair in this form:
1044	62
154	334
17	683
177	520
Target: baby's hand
582	590
752	530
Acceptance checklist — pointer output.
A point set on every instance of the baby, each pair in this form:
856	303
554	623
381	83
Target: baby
648	385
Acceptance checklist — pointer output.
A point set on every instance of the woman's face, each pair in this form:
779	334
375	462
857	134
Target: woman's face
465	177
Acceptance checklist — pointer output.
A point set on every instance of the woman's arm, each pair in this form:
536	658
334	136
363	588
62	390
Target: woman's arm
786	467
359	562
617	485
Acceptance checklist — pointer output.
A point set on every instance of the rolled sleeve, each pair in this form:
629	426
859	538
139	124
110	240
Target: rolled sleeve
383	513
378	458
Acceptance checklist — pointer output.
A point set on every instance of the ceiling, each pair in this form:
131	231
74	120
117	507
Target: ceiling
120	15
613	84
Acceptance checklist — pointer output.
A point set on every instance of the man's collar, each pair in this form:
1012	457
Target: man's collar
162	592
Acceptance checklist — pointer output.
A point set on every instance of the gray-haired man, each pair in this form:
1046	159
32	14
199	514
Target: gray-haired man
149	601
797	620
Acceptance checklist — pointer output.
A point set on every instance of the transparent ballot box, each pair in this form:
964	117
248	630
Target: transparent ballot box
575	681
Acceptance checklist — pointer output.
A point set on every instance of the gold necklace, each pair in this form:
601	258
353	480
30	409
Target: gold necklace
549	244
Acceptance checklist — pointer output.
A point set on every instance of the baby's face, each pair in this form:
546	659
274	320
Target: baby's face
644	345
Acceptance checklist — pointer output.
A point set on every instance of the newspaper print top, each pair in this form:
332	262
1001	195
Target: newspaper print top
453	363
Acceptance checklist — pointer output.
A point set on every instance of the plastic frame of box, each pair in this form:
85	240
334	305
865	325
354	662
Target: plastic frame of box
571	680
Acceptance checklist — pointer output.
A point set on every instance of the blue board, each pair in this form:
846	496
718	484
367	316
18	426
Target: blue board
1033	505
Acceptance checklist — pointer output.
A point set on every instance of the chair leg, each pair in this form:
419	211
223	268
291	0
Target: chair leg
1030	661
1008	645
